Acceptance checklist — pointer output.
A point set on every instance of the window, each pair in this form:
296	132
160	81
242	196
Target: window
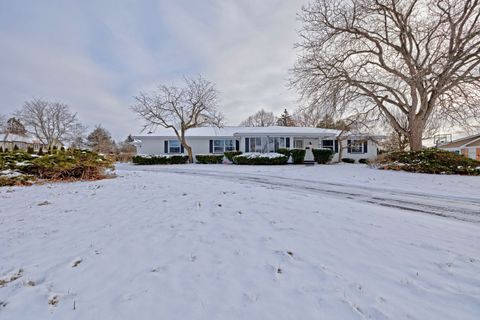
328	144
279	143
220	146
229	145
356	146
174	146
266	144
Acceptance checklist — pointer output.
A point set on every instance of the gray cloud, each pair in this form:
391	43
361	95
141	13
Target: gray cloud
96	56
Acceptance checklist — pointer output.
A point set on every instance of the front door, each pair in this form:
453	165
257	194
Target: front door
472	153
298	143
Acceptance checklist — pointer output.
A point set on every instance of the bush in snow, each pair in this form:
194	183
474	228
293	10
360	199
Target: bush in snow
348	160
364	161
322	156
429	161
209	158
230	154
64	165
284	151
298	155
256	158
159	159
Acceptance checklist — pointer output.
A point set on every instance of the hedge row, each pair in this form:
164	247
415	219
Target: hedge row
209	158
160	159
261	159
298	155
348	160
429	161
230	154
322	156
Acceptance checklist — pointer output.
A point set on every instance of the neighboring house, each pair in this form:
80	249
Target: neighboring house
23	142
468	146
205	140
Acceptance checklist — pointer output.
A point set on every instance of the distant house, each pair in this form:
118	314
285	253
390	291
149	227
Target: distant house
211	140
468	146
21	141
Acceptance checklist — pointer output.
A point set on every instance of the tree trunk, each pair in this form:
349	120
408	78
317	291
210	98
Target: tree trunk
189	152
415	135
340	150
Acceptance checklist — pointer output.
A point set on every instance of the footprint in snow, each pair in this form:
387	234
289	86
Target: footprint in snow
76	263
44	203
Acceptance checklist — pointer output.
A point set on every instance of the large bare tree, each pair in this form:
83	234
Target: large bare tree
180	108
50	122
412	60
261	118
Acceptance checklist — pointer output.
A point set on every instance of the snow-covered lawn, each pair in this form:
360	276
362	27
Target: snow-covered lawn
240	242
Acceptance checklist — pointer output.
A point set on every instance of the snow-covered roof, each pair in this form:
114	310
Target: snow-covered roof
10	137
230	131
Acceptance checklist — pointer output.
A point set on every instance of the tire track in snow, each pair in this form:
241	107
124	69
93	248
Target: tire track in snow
453	207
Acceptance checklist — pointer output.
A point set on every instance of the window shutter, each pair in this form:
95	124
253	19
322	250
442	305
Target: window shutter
287	142
349	144
336	146
237	145
165	146
210	148
182	149
365	146
247	144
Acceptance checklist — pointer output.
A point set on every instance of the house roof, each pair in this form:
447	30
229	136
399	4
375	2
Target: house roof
229	131
460	142
475	143
10	137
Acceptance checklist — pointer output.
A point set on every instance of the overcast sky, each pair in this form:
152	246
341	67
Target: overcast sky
97	55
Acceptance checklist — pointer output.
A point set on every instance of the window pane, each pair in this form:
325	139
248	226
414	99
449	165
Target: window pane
327	144
173	146
229	145
356	146
218	143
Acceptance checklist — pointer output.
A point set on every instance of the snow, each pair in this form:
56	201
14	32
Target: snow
10	173
166	156
11	137
256	155
239	242
230	131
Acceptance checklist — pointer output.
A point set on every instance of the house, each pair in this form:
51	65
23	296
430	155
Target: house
467	146
21	141
206	140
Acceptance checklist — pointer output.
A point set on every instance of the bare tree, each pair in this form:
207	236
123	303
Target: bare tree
3	123
50	122
261	118
311	116
180	108
15	126
413	60
76	137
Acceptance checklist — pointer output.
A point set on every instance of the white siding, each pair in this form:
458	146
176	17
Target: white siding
371	152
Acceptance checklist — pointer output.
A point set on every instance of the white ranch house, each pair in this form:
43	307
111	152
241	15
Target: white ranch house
211	140
10	141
